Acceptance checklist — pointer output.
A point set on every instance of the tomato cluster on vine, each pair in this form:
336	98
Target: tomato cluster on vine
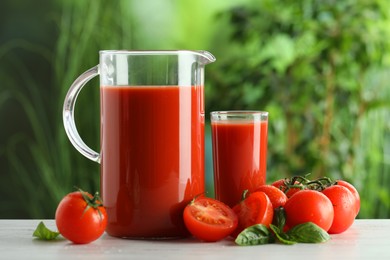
332	206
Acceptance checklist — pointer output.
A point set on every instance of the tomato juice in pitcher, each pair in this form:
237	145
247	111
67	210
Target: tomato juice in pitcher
155	158
152	138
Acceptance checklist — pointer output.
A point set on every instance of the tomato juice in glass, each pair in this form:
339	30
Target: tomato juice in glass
153	164
239	143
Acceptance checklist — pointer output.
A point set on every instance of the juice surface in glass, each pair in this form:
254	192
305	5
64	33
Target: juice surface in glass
153	163
240	157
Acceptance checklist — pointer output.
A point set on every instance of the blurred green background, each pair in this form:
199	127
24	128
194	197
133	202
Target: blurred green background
321	68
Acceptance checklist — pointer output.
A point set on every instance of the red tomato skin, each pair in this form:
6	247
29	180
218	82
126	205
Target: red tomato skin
281	186
309	206
354	192
254	209
344	208
209	220
76	225
277	197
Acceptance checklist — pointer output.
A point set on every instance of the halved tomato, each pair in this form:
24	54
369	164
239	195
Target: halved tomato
254	209
209	220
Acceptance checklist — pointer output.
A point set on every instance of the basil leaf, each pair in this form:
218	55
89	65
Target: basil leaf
279	219
43	233
308	233
254	235
282	237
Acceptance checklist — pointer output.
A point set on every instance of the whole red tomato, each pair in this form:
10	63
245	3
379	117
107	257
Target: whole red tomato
254	209
81	217
309	206
208	219
354	192
344	208
277	197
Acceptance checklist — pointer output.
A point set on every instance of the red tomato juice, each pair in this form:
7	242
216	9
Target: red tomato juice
240	157
152	157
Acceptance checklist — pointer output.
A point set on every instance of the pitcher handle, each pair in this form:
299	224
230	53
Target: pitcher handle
68	114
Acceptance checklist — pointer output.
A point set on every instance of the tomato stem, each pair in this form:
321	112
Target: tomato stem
92	202
302	182
244	194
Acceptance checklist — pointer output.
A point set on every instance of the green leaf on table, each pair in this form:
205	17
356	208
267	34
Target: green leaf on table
254	235
43	233
308	233
282	237
279	218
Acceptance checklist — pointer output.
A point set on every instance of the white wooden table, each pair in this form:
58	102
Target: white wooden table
366	239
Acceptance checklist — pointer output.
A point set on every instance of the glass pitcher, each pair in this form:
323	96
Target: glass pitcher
152	138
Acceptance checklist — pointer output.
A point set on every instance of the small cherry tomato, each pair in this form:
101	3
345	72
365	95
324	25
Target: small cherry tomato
309	206
282	185
344	208
354	192
275	195
254	209
209	220
81	217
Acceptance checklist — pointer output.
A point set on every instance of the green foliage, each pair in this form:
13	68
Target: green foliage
309	63
42	163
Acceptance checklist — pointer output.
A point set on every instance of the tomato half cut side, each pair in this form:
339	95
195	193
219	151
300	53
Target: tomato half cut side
209	220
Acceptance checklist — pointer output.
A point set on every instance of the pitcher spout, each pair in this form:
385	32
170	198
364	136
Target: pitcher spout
205	57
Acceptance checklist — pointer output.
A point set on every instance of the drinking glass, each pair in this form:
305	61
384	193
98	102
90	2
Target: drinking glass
239	143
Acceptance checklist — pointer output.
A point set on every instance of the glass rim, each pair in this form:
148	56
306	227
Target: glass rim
127	51
239	115
239	112
202	53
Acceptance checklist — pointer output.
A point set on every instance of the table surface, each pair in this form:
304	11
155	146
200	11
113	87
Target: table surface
366	239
